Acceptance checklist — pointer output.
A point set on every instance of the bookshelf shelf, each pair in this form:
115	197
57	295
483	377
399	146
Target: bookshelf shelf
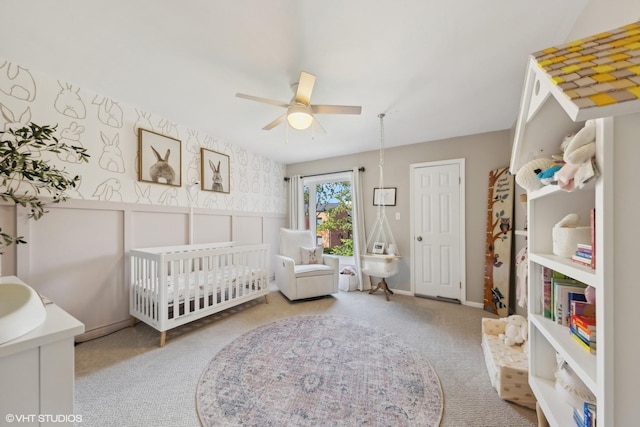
543	122
557	411
583	363
584	274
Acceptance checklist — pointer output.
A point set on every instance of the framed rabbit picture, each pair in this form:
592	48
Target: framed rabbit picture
214	171
159	158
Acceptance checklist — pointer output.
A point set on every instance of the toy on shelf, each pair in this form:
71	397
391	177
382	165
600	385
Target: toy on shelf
571	168
527	176
579	158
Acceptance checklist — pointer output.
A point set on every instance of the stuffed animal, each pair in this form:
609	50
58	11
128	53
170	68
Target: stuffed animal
547	176
515	333
579	152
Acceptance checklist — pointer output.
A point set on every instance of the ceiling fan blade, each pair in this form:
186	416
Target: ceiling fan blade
275	123
264	100
305	87
336	109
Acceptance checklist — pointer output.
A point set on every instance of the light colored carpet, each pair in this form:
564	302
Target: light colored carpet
125	379
319	370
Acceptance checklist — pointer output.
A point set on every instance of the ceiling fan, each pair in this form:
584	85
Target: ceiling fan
300	112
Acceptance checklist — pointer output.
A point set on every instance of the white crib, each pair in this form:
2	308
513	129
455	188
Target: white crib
174	285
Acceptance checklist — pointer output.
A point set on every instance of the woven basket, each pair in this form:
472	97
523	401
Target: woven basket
566	239
527	177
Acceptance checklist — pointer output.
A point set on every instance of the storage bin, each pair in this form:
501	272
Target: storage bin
347	282
566	239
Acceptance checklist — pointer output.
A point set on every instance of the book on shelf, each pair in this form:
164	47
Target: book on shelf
584	256
546	292
589	415
586	324
585	416
575	297
585	334
588	346
549	276
584	247
561	289
581	260
583	315
583	309
578	417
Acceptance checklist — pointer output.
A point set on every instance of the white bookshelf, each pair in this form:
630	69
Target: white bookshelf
613	374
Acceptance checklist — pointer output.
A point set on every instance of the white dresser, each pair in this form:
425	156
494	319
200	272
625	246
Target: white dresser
37	372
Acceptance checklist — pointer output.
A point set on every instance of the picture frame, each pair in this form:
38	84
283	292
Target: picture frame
215	171
159	158
384	196
378	248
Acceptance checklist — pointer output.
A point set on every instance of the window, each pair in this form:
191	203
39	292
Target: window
328	200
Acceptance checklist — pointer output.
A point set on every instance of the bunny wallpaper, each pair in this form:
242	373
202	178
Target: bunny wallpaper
109	131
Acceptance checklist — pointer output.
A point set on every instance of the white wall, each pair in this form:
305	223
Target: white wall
603	15
77	253
482	153
108	130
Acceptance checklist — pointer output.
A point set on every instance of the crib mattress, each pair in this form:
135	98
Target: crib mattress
209	282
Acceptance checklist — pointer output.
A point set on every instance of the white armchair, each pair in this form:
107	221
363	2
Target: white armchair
301	269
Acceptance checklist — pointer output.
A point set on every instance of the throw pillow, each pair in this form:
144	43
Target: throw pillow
311	255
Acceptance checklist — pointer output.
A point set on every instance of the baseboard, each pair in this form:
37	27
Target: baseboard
473	304
102	331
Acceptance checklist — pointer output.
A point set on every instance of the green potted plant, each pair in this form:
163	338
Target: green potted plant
25	176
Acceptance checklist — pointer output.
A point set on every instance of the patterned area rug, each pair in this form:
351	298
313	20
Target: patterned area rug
318	370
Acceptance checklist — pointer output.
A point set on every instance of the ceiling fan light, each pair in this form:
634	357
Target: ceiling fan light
299	117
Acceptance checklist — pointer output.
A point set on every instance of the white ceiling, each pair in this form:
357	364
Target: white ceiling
437	69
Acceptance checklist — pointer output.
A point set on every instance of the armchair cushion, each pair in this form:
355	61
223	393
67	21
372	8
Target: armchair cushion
311	255
308	270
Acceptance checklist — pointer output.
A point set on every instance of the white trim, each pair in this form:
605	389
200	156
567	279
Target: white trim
463	264
312	181
324	178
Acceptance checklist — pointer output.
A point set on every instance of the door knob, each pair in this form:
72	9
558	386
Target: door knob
419	238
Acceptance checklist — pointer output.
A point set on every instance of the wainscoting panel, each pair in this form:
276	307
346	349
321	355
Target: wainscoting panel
150	229
77	254
271	230
247	229
209	228
8	225
76	260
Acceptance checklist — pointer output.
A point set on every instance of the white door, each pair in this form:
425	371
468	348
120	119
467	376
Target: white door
437	229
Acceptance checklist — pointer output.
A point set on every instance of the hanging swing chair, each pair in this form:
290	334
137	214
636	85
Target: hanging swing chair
382	257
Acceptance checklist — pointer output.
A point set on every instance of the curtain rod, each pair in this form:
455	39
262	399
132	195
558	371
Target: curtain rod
361	169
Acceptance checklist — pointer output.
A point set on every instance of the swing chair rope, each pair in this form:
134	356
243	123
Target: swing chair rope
381	231
381	163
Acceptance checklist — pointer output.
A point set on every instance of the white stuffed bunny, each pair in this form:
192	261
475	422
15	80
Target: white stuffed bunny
515	333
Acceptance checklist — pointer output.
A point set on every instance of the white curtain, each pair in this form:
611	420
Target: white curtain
296	199
358	224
